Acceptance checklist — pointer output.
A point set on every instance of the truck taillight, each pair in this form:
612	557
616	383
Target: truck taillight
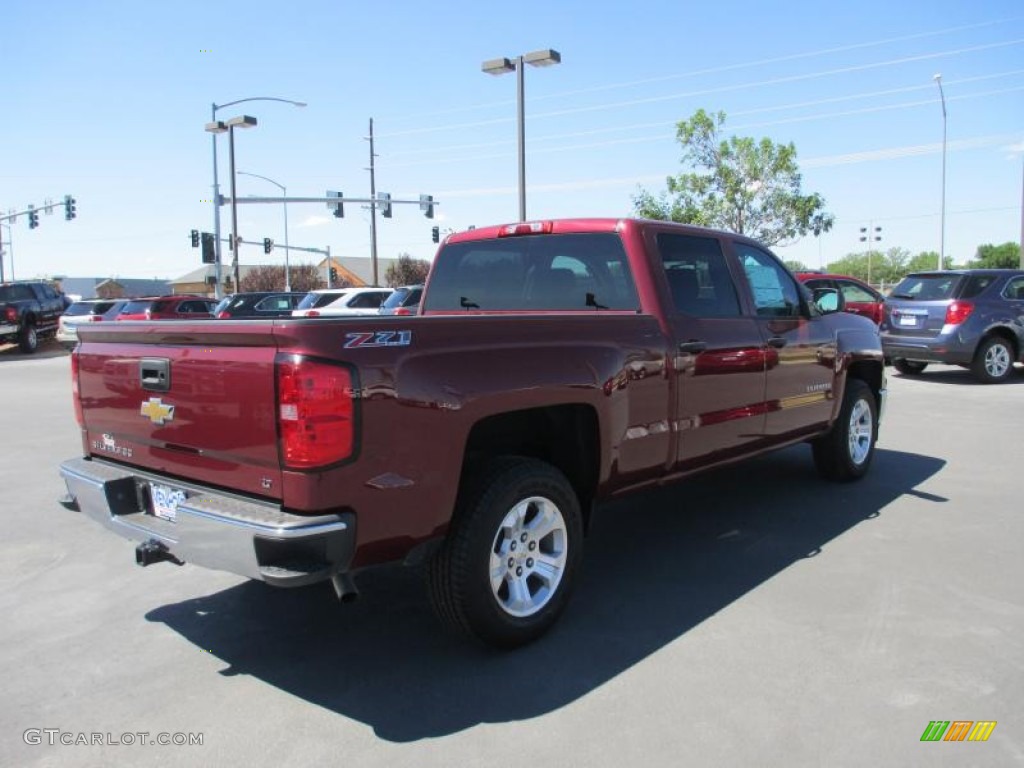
11	315
313	313
958	311
316	412
403	311
223	315
76	395
526	228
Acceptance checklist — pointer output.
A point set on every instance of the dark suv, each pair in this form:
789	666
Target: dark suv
180	307
973	318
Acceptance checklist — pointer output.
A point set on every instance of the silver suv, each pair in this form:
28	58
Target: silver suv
972	317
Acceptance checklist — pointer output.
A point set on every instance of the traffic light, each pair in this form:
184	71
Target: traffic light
338	207
268	245
33	217
69	207
209	251
384	198
195	238
435	234
334	276
427	206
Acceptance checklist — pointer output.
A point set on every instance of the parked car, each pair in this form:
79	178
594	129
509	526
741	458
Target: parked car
258	304
331	302
29	311
858	297
168	308
973	318
85	311
402	301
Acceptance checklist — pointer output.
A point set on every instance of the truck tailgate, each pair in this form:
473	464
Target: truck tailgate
184	400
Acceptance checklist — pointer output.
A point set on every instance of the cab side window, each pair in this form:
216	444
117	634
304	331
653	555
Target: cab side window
774	290
698	277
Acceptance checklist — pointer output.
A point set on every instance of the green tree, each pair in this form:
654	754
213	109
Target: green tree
270	277
927	261
1005	256
407	271
740	184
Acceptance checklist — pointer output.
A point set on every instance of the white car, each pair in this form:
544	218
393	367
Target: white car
88	311
332	302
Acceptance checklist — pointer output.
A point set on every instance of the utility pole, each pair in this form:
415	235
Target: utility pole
870	234
373	208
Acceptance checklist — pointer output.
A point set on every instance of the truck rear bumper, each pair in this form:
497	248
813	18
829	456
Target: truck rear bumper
212	529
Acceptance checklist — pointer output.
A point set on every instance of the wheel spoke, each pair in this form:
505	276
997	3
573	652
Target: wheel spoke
549	569
518	595
548	518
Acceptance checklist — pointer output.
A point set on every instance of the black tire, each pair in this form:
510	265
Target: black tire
845	453
28	339
908	367
993	362
497	526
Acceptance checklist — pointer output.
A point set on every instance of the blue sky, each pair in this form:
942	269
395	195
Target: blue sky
107	101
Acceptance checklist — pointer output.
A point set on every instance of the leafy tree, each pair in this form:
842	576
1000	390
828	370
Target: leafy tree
747	186
796	266
270	277
927	261
1005	256
407	271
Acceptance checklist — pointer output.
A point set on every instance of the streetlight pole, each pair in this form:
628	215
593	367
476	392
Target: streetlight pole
867	235
942	236
543	58
284	192
216	186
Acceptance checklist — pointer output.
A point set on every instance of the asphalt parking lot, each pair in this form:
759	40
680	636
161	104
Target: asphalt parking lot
753	616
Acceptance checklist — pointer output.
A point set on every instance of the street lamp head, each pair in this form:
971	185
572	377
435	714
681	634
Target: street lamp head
498	66
937	77
242	121
545	58
216	127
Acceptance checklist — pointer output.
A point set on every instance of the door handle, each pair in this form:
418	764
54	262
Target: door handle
777	341
693	347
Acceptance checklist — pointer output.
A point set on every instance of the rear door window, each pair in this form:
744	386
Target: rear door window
856	293
1014	288
698	277
975	284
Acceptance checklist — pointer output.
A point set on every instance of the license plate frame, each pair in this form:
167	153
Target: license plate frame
164	501
906	320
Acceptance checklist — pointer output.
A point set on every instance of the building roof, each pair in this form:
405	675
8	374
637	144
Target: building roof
138	287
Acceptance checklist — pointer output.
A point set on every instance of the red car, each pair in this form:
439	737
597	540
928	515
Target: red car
168	308
858	297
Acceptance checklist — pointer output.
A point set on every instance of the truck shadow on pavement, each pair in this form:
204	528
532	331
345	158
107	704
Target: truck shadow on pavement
656	565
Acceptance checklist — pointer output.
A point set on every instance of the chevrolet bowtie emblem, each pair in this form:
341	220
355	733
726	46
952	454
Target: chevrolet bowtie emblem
155	410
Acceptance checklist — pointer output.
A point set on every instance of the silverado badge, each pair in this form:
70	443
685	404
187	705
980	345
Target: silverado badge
155	410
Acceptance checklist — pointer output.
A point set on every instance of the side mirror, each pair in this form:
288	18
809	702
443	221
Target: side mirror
828	300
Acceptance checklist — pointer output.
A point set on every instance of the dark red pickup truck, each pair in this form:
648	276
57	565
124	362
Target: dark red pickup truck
555	364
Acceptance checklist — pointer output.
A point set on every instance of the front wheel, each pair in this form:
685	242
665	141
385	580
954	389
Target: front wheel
845	453
993	362
504	573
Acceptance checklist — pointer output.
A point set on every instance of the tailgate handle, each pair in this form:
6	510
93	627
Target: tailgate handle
155	374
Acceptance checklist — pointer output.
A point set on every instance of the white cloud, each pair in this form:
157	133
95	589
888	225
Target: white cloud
315	221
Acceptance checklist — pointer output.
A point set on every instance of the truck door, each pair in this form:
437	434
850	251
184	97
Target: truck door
799	346
719	362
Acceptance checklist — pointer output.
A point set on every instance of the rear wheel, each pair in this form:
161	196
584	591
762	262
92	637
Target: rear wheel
908	367
504	573
993	362
28	339
845	453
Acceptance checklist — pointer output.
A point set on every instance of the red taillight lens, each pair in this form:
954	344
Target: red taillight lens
76	395
525	228
11	314
403	311
313	313
958	311
315	412
222	315
95	318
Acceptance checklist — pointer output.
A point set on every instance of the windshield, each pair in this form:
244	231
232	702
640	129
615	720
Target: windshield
534	272
937	287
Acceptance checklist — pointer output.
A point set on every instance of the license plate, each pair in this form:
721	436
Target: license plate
165	500
907	320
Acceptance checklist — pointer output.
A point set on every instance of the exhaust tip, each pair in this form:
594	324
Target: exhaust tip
345	588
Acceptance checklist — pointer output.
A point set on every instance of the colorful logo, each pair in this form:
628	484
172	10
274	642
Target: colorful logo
156	411
958	730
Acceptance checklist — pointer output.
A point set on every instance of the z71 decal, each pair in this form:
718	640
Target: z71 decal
378	339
